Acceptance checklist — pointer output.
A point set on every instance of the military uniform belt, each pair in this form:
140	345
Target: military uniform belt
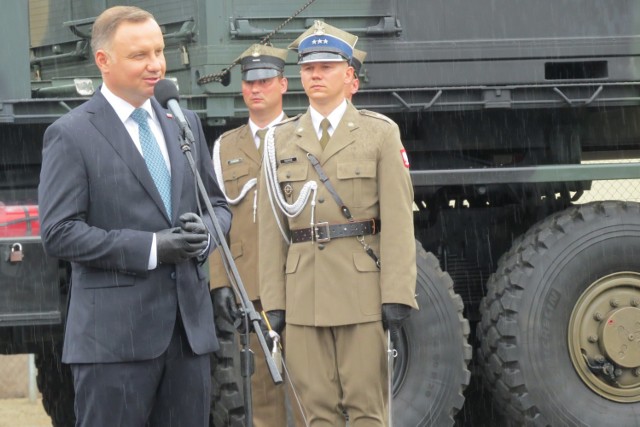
324	232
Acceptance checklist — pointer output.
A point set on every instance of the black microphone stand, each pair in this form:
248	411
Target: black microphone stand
251	316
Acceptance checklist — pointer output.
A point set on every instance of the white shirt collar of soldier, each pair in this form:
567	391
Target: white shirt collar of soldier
334	118
255	128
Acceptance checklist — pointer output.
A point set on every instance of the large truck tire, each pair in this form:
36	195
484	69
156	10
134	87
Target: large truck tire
55	383
430	370
559	336
227	398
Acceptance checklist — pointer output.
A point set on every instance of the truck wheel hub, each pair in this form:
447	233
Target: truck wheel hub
604	337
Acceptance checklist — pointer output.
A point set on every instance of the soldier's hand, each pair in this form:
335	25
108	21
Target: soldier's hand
174	247
276	321
393	315
224	304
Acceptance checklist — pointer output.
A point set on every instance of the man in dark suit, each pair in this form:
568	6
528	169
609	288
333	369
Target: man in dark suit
117	199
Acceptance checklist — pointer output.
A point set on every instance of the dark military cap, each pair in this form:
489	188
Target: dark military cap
357	60
262	62
324	43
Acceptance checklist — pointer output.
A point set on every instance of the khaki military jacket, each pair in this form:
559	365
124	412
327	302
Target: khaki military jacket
240	160
337	282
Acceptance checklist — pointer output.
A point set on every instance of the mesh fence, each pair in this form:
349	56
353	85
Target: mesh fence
625	189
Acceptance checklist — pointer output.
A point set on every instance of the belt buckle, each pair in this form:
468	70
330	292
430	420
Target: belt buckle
316	232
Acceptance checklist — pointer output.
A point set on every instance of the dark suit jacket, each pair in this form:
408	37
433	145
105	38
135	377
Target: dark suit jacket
99	208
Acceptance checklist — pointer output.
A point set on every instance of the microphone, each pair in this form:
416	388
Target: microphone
166	93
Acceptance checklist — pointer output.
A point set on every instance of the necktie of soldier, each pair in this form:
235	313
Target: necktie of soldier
153	157
324	139
261	134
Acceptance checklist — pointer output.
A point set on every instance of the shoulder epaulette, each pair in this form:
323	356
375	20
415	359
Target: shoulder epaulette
288	120
375	115
232	131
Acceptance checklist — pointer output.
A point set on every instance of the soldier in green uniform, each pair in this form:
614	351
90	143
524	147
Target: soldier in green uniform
356	62
336	243
237	158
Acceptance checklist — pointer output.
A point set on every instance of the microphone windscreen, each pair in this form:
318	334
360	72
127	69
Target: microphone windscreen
165	90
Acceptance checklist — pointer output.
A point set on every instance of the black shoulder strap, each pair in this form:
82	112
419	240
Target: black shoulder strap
345	210
325	180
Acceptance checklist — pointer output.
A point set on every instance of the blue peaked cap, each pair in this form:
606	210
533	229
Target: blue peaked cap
324	43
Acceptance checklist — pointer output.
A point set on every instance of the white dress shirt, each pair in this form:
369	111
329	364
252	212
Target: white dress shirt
334	118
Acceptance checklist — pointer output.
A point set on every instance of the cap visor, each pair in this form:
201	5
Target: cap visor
321	57
259	74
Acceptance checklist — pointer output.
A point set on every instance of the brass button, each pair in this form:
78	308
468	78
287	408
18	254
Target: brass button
288	174
321	246
321	200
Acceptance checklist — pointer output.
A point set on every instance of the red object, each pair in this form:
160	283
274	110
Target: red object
19	221
405	159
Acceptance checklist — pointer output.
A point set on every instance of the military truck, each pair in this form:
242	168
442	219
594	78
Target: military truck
509	111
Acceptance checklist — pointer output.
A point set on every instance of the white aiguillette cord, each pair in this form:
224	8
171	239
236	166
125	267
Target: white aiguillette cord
275	192
217	167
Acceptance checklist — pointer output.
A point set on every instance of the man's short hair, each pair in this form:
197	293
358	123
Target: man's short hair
107	23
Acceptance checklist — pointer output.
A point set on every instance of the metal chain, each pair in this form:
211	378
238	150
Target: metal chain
220	76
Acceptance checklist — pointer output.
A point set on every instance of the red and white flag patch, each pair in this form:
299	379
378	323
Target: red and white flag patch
169	116
405	159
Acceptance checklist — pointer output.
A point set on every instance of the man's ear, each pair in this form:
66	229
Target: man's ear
349	75
284	85
355	86
102	60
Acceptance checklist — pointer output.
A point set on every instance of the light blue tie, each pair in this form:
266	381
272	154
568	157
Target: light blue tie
153	157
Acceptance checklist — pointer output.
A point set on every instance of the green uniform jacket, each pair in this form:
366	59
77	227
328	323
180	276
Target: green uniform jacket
240	162
337	283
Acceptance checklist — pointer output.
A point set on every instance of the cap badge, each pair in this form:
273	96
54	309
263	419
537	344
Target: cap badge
320	30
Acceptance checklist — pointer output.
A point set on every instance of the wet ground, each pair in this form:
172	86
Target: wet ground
477	411
23	413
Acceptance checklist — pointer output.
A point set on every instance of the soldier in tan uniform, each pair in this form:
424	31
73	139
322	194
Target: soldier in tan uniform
337	260
237	158
353	86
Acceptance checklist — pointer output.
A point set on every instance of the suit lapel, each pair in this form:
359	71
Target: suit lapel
171	134
344	134
107	122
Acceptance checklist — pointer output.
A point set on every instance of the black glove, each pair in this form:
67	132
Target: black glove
224	304
393	315
276	320
174	246
192	223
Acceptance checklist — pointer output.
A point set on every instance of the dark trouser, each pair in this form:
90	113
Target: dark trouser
171	390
